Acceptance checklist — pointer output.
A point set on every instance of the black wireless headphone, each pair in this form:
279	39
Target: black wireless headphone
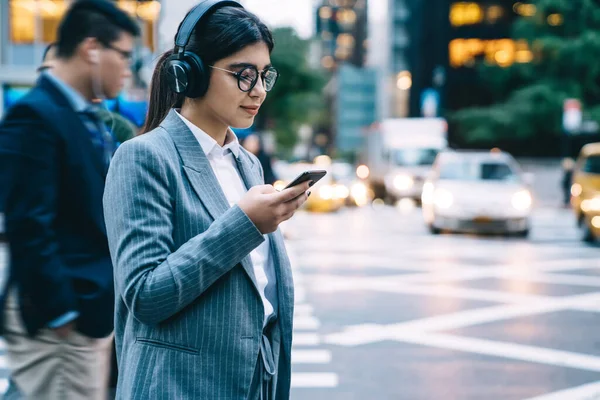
185	71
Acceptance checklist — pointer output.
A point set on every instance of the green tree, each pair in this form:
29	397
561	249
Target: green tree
297	97
564	36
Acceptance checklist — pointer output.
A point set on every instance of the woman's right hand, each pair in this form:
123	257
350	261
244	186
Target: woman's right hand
267	208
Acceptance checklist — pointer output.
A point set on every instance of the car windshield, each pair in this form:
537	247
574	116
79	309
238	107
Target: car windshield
466	170
591	165
414	157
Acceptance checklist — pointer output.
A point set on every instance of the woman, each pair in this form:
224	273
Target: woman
204	288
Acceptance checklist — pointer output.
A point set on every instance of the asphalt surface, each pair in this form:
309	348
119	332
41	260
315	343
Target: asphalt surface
384	310
388	311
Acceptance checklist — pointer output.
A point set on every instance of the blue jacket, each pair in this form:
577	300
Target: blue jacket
52	182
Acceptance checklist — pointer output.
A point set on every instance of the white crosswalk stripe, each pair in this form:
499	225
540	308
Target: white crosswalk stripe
307	350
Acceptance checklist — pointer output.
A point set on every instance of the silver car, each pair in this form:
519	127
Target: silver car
477	192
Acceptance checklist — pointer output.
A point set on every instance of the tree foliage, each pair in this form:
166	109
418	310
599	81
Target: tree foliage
529	97
296	99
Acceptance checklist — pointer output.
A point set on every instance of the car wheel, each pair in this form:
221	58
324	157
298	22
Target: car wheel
522	234
585	233
433	230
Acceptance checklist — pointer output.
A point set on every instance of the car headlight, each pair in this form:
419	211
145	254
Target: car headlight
442	198
341	192
592	204
576	190
403	182
522	200
359	193
326	192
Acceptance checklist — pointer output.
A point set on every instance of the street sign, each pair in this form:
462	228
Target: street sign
430	101
572	115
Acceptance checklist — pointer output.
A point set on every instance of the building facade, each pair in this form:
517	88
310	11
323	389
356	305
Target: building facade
28	26
343	40
435	49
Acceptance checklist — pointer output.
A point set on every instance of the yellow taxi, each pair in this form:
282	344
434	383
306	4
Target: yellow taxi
585	192
333	191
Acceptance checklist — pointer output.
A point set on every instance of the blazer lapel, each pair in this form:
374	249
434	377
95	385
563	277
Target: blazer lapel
248	170
196	166
73	126
201	175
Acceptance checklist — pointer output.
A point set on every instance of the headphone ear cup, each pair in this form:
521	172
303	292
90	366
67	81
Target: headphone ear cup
201	78
179	74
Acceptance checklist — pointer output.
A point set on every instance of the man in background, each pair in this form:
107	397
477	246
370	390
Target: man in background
59	301
120	127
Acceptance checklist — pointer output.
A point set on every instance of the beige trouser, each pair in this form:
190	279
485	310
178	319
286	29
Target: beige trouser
48	367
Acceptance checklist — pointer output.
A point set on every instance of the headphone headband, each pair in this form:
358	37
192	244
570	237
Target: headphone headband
189	23
185	70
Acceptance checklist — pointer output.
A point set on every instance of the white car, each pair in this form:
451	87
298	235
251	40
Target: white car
477	192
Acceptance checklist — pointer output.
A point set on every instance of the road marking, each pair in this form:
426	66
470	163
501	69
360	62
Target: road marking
370	333
591	391
505	350
299	295
303	309
306	339
306	323
314	380
384	284
311	356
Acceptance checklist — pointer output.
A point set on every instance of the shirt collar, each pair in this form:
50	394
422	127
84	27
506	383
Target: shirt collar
77	101
210	145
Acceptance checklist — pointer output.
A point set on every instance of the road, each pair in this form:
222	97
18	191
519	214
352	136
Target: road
387	311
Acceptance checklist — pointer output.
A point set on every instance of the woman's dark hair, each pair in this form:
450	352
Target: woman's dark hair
219	35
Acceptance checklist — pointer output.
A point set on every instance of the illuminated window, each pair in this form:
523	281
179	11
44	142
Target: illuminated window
325	13
494	13
23	15
502	52
525	10
345	40
555	19
465	13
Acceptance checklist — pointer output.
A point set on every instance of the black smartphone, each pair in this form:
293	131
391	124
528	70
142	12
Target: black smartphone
307	176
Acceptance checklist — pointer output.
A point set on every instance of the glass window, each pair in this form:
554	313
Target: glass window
477	171
591	165
48	13
414	157
23	20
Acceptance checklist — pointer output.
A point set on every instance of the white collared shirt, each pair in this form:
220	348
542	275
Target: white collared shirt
225	168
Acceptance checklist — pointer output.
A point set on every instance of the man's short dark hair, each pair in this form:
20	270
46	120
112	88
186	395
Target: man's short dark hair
100	19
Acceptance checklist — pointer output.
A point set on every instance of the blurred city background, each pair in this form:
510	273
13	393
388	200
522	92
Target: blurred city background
450	252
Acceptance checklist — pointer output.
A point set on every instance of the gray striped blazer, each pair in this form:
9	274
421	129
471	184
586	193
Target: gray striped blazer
188	320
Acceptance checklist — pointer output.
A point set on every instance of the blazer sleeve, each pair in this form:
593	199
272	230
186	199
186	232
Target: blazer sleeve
155	279
34	151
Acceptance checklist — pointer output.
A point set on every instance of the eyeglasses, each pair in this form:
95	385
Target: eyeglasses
248	77
127	55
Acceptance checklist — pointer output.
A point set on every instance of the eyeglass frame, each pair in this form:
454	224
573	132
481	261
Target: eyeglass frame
127	55
238	75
